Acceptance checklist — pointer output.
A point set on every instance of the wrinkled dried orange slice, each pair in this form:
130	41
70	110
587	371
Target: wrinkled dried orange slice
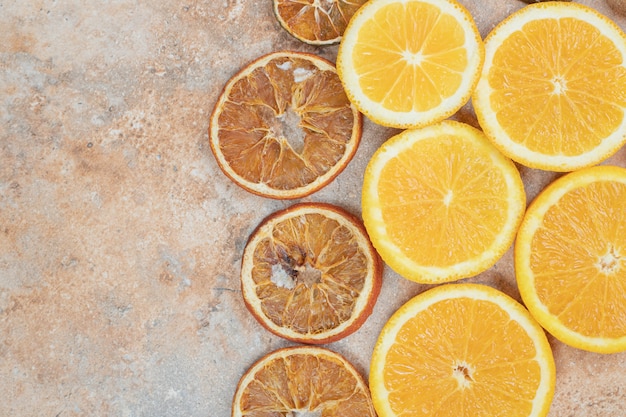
316	22
462	350
570	259
302	381
310	274
283	127
552	94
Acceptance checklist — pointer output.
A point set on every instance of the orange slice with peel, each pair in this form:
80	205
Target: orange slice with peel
410	63
316	22
310	274
302	381
283	127
570	259
441	203
552	94
462	350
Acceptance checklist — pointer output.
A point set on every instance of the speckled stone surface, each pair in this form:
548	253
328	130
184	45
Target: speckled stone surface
120	239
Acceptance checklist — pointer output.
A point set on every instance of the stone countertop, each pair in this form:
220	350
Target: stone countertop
120	239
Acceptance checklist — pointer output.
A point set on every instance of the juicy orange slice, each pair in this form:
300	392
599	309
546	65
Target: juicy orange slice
552	94
283	127
570	259
409	63
310	274
462	350
316	22
302	381
441	203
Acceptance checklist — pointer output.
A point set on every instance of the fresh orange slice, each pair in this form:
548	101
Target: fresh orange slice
462	350
283	127
441	203
302	381
552	94
316	22
409	63
310	274
570	259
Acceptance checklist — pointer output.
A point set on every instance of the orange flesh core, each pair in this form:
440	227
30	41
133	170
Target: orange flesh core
420	57
459	365
560	79
579	260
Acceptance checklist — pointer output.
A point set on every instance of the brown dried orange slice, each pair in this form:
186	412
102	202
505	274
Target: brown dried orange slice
310	273
316	22
302	381
283	127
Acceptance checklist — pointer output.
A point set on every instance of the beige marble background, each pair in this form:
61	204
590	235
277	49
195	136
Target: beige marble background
120	239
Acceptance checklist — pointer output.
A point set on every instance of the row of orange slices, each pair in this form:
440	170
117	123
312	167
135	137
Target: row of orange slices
441	201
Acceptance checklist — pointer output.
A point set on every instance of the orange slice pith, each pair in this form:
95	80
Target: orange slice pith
436	357
283	127
441	203
302	381
552	94
309	273
570	259
316	22
410	63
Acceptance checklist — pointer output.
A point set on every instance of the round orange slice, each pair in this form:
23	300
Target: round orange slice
462	350
410	63
316	22
305	381
283	127
570	259
310	274
441	203
552	94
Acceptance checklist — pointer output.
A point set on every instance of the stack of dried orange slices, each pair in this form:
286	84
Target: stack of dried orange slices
284	128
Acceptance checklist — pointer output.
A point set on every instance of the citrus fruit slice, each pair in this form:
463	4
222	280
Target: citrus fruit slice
409	63
316	22
310	274
441	203
283	127
462	350
552	93
302	381
570	259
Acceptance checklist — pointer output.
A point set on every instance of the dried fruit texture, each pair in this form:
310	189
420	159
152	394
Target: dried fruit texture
283	127
437	357
316	22
310	274
302	381
441	203
570	259
552	94
410	63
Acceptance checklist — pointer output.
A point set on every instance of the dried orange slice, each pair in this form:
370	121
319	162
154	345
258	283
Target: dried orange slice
310	274
302	381
283	127
409	63
462	350
316	22
441	203
552	94
570	259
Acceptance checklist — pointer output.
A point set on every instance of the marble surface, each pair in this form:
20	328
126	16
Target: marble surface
120	239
